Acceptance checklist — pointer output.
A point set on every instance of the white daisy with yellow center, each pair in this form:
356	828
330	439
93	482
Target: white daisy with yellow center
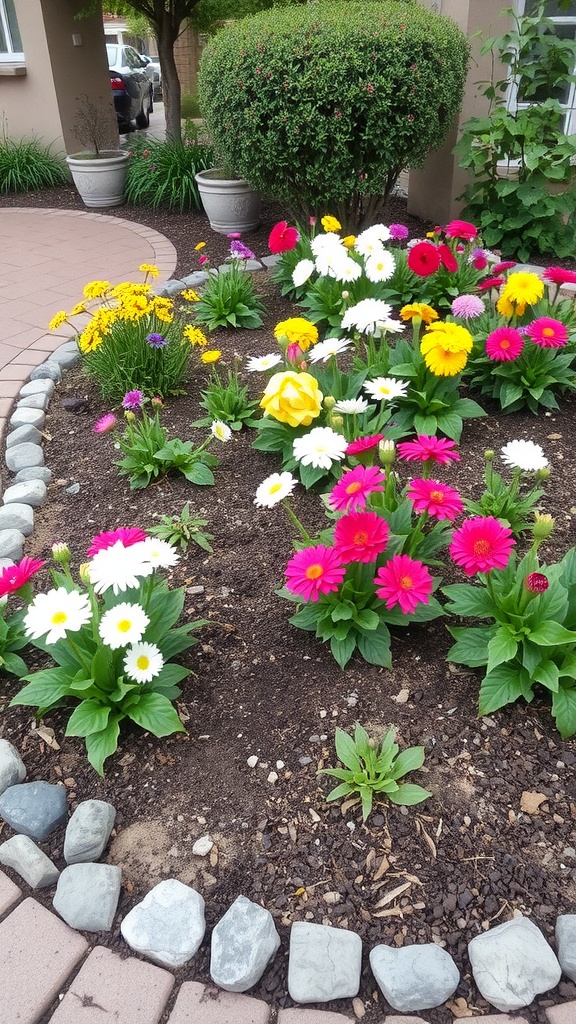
122	625
384	389
221	431
56	613
274	489
143	662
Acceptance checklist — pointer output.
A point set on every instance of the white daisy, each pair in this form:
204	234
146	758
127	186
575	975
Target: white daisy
367	316
370	240
221	431
524	455
160	553
380	266
351	406
347	270
257	364
122	625
274	489
328	241
302	272
325	350
320	447
118	567
57	613
384	389
329	263
143	662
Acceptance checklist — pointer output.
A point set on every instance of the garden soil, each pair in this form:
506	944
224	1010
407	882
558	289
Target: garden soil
498	835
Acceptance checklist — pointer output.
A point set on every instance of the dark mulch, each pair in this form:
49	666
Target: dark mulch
467	859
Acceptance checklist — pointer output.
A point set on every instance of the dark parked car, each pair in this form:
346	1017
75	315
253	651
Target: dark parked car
153	69
131	86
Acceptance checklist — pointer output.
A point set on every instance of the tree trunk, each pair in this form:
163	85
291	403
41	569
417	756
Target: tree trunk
171	91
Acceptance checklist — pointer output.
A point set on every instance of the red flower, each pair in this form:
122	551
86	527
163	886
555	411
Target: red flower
361	536
504	344
405	582
428	449
536	582
479	262
557	275
438	500
461	229
423	259
448	258
15	576
127	535
363	444
490	282
282	238
499	268
481	544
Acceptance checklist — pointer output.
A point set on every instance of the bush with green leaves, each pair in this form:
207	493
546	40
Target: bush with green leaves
150	454
321	106
28	165
229	300
227	400
162	173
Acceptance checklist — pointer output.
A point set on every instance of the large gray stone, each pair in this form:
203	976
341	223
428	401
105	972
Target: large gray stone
195	279
88	831
512	964
49	369
168	925
17	516
39	401
11	544
31	492
32	417
87	896
31	863
566	944
38	387
20	435
414	977
34	473
324	963
243	943
66	355
173	287
34	809
12	768
22	456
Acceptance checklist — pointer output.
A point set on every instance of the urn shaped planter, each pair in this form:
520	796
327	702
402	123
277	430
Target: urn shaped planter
100	180
230	203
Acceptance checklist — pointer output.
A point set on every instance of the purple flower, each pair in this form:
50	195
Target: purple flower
398	232
239	251
132	400
156	340
105	423
234	235
467	306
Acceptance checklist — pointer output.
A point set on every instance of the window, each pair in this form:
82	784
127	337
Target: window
564	18
10	41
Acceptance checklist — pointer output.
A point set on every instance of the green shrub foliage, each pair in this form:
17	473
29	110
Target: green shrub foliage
323	106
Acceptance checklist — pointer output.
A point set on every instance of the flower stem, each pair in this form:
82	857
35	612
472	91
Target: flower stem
305	536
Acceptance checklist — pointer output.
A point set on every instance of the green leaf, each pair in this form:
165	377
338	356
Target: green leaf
502	686
409	794
407	761
342	610
502	647
89	717
564	711
155	713
471	647
199	474
547	674
549	634
343	648
100	745
45	689
346	750
375	646
468	599
13	664
344	789
367	619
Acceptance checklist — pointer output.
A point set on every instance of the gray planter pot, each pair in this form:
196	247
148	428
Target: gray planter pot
100	181
231	204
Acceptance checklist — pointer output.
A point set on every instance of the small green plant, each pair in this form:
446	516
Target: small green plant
227	400
28	165
181	530
229	300
162	173
372	771
511	502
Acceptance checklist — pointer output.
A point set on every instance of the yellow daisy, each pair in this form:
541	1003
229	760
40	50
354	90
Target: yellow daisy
212	355
330	223
452	337
297	331
96	289
190	295
521	289
441	361
195	336
149	269
418	309
348	241
57	320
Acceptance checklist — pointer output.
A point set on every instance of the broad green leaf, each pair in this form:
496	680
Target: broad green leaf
502	686
549	634
367	619
375	646
199	474
564	711
471	647
155	713
99	745
468	599
343	648
501	648
346	750
547	674
341	611
407	761
89	717
342	790
13	664
45	689
409	794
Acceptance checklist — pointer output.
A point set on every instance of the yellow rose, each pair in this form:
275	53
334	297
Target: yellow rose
292	398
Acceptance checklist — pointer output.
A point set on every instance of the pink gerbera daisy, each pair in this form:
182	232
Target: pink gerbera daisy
504	344
461	229
499	268
282	238
428	449
547	332
405	582
438	500
355	486
15	576
363	444
361	536
127	535
490	282
481	544
105	423
314	571
558	275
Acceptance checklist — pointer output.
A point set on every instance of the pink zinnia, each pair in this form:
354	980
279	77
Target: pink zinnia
536	582
105	423
363	444
557	275
490	282
405	582
504	344
467	306
361	536
398	232
448	258
355	486
438	500
547	332
282	238
133	399
15	576
461	229
127	535
314	571
428	449
423	259
499	268
481	544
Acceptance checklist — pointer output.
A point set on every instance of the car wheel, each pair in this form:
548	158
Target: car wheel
143	118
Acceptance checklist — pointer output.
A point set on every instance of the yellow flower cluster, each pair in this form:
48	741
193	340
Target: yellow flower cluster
330	223
521	289
292	398
445	348
96	289
297	331
190	295
195	336
149	269
96	330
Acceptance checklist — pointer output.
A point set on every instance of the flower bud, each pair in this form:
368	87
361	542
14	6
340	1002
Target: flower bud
329	402
337	423
84	573
542	474
489	455
61	554
387	452
543	526
536	582
129	416
345	295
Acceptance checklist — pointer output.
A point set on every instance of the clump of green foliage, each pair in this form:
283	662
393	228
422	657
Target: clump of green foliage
227	400
28	165
162	173
182	530
229	300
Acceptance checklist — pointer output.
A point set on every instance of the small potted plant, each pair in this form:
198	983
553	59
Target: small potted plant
230	202
99	171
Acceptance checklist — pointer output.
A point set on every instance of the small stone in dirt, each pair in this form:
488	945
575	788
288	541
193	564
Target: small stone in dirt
73	489
87	896
324	963
168	925
12	768
512	963
566	944
202	846
34	809
273	777
416	977
243	943
88	831
72	404
331	898
194	590
252	761
22	854
304	760
280	764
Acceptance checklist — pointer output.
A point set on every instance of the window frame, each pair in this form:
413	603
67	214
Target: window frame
10	55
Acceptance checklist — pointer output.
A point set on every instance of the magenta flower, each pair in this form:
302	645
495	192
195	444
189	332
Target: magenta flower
559	276
314	571
234	236
398	232
15	576
105	423
132	400
240	251
405	582
467	306
423	259
504	344
499	268
490	282
461	229
547	332
536	582
127	535
478	259
434	498
282	238
481	544
363	444
361	536
428	449
355	487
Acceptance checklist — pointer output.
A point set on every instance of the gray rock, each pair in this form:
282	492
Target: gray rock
12	768
566	944
39	401
38	387
49	369
243	943
17	516
73	489
22	456
11	544
168	925
31	417
88	831
31	492
34	473
324	963
21	854
414	977
34	809
27	432
87	896
270	261
512	963
5	562
66	355
173	287
195	279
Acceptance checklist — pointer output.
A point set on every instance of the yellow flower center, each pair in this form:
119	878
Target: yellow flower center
437	495
313	572
124	625
143	662
275	488
406	582
354	487
548	332
481	547
58	618
361	537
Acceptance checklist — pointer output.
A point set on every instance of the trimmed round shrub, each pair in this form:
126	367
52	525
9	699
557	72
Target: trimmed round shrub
322	106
